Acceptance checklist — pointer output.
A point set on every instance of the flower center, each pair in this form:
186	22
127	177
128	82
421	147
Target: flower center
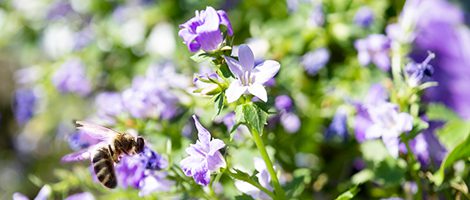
247	79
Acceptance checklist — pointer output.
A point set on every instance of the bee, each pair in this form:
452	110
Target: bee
107	152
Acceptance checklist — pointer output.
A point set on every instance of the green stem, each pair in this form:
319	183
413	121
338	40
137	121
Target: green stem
279	192
414	173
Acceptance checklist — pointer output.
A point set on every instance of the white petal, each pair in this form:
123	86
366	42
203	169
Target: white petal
374	131
234	91
404	122
203	134
259	91
215	145
265	71
392	144
246	57
234	66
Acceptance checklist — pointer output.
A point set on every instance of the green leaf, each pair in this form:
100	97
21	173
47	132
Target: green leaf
200	57
219	102
362	176
254	117
453	132
374	151
436	111
349	194
459	152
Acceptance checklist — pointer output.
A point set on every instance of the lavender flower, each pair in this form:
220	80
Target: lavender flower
283	103
317	17
81	196
288	119
132	170
376	96
108	106
419	72
364	17
203	32
204	156
374	49
388	124
24	105
263	177
315	60
338	127
147	99
155	182
43	194
250	78
71	78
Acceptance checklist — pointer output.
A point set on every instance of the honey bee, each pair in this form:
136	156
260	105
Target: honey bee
106	153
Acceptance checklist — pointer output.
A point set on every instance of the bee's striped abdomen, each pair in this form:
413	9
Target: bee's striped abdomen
104	168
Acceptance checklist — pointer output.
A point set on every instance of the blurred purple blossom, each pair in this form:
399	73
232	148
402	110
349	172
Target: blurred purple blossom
315	60
388	124
58	10
374	49
427	148
43	194
283	103
376	95
264	180
317	17
364	17
203	32
250	78
452	63
71	78
155	182
288	119
204	156
24	104
81	196
108	106
338	126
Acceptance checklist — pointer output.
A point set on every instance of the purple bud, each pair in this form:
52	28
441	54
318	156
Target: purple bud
71	78
24	105
315	60
364	17
283	103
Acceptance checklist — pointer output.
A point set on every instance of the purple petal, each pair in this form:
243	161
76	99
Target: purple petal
203	134
215	145
246	57
19	196
202	177
215	161
259	91
225	21
81	196
234	66
190	165
265	71
211	21
234	91
290	122
209	40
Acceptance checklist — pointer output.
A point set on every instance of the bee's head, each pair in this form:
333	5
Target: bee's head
140	145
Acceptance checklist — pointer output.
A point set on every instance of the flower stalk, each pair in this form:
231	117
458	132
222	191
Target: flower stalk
278	191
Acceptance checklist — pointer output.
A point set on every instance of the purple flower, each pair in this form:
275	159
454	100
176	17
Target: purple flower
132	170
204	156
43	194
374	49
250	78
364	17
419	72
317	17
264	180
388	124
108	106
203	30
315	60
80	140
155	182
71	78
376	96
24	105
283	103
81	196
338	127
147	99
427	147
290	121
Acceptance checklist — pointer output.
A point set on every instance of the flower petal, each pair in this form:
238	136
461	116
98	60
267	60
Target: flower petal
234	91
190	165
234	66
265	71
392	144
374	131
211	21
215	145
405	122
203	134
202	177
209	40
215	161
225	21
246	57
259	91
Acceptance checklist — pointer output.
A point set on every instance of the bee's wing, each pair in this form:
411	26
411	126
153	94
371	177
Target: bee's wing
77	156
96	131
82	154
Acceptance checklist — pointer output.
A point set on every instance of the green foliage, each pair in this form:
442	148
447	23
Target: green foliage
251	115
349	194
